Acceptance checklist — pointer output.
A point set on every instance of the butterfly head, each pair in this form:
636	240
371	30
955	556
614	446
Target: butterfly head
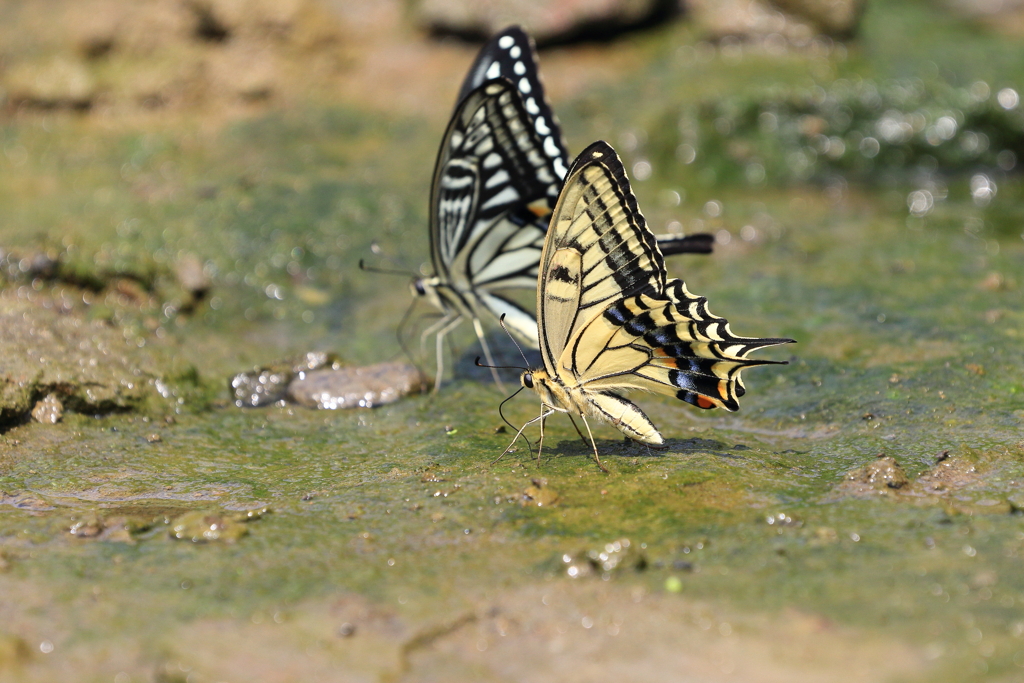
426	287
550	391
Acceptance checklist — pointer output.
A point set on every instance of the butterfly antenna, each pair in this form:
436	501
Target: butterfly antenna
498	367
384	271
501	321
502	405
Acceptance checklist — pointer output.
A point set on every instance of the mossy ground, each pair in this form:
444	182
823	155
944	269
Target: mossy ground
399	522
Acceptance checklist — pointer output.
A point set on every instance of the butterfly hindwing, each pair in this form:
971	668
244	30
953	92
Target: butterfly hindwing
512	54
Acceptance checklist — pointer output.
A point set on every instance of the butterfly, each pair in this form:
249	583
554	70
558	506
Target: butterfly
609	320
496	180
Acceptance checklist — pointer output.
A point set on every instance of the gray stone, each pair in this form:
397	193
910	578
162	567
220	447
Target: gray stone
268	384
836	18
795	20
352	387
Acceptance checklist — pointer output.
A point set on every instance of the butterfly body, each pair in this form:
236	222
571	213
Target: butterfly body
556	394
610	320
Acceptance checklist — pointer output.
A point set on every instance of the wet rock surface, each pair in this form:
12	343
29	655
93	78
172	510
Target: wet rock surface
352	387
470	585
879	477
267	385
86	366
614	557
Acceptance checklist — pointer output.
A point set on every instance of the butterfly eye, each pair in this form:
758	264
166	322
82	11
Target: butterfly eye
418	287
528	380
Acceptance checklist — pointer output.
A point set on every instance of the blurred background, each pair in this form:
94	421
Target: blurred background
187	188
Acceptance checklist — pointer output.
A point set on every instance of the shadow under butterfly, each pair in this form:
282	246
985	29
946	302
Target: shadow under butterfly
497	177
609	320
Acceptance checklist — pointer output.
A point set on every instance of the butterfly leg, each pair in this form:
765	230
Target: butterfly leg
592	443
542	416
433	329
441	334
478	328
442	327
583	438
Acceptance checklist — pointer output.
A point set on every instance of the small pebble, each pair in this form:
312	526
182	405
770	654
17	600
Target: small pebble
49	410
351	387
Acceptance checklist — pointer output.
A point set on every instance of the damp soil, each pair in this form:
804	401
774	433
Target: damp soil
859	519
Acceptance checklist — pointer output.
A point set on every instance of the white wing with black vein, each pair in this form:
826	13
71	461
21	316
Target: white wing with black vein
512	54
489	198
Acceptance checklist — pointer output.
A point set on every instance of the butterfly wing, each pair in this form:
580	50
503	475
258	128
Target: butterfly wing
512	54
490	202
489	170
594	254
611	321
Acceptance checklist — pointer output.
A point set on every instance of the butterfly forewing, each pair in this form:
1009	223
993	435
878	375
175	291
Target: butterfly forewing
595	253
511	54
490	172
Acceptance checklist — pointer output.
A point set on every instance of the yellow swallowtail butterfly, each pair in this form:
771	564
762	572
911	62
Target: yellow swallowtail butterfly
609	320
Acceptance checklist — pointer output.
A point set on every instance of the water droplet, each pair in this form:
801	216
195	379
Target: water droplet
1008	98
686	153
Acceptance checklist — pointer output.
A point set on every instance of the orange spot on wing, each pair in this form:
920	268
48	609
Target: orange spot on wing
705	402
539	208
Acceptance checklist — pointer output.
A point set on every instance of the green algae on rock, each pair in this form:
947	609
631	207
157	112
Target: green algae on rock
204	527
860	130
